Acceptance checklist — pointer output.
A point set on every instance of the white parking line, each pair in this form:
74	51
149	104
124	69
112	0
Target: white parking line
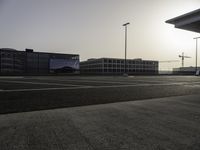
87	81
42	83
89	87
44	89
141	82
92	80
11	77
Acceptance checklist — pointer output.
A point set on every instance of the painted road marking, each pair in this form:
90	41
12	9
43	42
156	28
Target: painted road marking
44	89
122	83
11	77
91	81
87	81
90	87
42	83
190	85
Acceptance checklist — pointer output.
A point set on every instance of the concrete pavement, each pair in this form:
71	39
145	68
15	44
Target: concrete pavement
171	123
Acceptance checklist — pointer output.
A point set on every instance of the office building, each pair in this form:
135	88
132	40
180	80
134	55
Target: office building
115	66
185	70
29	62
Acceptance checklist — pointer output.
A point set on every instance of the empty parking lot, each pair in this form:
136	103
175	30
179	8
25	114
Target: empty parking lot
41	92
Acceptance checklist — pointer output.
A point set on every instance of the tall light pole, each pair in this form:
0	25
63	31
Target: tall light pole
125	25
196	38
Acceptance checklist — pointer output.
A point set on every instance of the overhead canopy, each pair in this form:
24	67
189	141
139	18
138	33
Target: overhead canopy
189	21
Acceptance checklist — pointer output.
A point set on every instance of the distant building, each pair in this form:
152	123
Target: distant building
29	62
12	61
115	66
185	70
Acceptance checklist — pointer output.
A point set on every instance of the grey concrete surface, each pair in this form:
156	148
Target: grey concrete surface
171	123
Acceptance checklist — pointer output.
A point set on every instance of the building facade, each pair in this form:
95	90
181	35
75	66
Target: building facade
185	70
29	62
114	66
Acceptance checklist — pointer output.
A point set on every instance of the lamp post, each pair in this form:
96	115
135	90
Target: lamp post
196	38
125	25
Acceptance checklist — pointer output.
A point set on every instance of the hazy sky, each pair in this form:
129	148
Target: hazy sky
93	28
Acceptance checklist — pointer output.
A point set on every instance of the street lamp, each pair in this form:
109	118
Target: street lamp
196	38
125	25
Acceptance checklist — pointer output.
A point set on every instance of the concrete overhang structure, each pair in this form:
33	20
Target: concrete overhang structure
189	21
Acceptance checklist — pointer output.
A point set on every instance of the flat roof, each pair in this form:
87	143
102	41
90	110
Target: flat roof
134	59
189	21
25	51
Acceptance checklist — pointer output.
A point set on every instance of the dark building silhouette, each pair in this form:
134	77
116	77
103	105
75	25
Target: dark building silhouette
29	62
189	21
115	66
185	70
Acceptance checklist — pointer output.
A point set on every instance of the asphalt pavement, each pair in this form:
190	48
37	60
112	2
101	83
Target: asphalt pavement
20	94
100	113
